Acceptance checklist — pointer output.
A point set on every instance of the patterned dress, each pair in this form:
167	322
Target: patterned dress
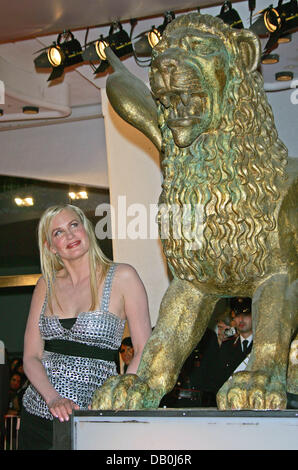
78	353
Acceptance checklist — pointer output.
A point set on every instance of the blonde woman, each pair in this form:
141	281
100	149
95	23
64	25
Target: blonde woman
75	324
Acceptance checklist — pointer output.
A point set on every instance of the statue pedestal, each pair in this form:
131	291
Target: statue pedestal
178	429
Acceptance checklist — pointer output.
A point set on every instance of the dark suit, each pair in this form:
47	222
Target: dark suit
217	365
230	356
204	376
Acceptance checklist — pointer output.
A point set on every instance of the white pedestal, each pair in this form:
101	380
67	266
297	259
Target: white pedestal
181	429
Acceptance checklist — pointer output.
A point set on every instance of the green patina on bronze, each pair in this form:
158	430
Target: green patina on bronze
220	151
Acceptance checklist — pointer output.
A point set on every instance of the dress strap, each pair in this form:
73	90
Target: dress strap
106	293
45	302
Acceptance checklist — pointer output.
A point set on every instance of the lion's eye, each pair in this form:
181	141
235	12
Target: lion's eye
206	50
202	47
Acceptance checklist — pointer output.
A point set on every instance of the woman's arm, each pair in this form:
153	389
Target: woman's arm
137	313
33	352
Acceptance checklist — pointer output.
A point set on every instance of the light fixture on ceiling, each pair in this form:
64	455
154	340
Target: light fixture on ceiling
270	59
155	34
30	110
141	46
284	76
24	202
230	16
65	52
78	195
283	17
119	41
277	22
146	40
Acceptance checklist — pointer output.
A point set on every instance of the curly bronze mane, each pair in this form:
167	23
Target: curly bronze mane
233	173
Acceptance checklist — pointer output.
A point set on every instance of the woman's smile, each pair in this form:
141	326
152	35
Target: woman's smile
73	244
69	237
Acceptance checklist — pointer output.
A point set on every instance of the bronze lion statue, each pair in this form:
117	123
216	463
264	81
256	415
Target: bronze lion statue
220	152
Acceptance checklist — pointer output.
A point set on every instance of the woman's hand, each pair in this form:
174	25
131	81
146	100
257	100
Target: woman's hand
61	408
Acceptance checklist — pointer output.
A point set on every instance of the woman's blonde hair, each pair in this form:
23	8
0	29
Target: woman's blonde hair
51	263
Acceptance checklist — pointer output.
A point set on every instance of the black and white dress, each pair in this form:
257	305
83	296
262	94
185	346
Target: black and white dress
79	353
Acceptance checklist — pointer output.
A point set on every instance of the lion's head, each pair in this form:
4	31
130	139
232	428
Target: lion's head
221	149
192	69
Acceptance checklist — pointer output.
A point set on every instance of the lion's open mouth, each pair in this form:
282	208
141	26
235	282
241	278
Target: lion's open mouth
182	108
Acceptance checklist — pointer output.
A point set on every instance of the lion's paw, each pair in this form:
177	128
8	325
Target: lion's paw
125	392
252	391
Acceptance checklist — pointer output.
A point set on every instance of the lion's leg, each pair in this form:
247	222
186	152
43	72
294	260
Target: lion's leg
263	384
183	317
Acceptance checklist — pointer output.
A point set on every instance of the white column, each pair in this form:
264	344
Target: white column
135	184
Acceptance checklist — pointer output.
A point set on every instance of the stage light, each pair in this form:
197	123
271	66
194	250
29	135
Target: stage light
64	53
118	41
278	22
258	27
230	16
55	56
142	47
100	48
148	39
155	34
284	76
281	18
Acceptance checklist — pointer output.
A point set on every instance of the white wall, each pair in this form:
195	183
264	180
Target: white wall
68	152
285	109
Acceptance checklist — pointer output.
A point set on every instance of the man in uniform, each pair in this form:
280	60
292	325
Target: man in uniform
220	361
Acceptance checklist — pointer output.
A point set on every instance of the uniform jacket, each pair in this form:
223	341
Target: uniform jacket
218	363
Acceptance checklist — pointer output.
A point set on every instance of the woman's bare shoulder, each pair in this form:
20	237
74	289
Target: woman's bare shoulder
39	293
128	279
126	271
41	286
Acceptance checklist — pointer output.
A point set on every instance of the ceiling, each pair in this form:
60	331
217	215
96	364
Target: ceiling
28	26
52	16
22	34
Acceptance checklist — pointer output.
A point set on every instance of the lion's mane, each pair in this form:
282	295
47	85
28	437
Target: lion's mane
233	172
